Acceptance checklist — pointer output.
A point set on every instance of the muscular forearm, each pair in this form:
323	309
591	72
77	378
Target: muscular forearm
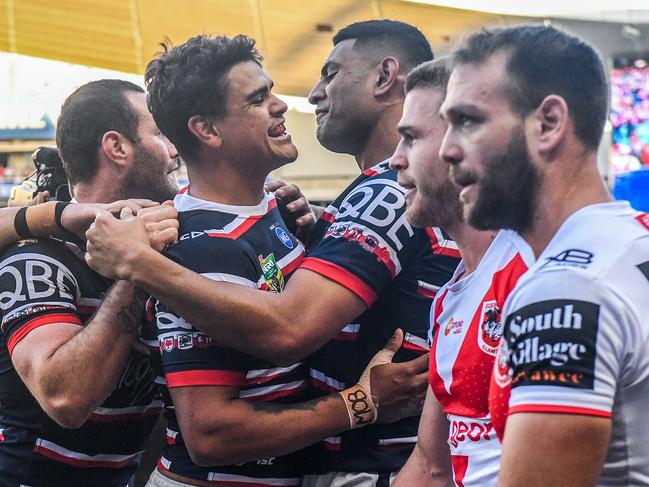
8	233
421	471
255	322
263	430
81	373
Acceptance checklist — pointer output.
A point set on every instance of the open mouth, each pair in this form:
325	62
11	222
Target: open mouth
277	131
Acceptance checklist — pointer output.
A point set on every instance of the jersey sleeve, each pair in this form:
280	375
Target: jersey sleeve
188	356
369	241
564	343
37	288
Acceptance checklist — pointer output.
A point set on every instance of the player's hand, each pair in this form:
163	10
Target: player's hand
114	245
161	223
299	217
399	387
78	217
40	197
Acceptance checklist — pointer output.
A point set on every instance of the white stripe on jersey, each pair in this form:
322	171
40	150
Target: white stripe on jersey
260	373
231	278
263	391
48	446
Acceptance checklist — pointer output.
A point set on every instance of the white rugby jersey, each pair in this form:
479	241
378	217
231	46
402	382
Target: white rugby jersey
576	337
466	331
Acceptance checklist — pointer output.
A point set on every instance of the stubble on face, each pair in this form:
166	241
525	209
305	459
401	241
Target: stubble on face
149	178
508	190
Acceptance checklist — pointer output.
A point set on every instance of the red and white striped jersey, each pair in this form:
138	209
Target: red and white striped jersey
466	330
576	335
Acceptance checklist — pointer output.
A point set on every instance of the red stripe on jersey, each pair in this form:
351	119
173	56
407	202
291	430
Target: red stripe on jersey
332	446
31	325
328	217
183	190
342	277
291	266
370	172
76	462
277	394
414	348
439	248
205	378
434	379
643	218
553	408
2	437
346	335
246	225
426	292
460	464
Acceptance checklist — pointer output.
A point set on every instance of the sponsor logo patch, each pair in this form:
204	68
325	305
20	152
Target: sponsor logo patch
454	327
571	257
284	237
553	343
272	273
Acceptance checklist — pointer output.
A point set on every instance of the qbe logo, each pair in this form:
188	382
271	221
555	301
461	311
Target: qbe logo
35	277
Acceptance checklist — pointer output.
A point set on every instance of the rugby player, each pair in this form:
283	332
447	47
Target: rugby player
526	108
368	270
77	400
465	317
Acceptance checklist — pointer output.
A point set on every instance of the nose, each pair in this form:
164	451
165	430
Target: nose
317	93
278	106
399	161
450	151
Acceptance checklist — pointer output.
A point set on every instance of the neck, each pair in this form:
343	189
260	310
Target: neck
221	182
383	139
472	243
97	191
564	190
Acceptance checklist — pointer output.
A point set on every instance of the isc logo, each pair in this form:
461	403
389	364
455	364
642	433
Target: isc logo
377	203
34	277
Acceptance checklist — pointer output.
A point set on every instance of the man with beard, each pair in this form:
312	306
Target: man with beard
367	273
526	107
77	396
465	316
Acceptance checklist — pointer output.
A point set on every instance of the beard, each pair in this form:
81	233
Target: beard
508	191
436	207
148	178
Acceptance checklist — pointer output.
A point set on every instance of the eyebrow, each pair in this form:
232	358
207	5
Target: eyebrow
402	129
260	91
455	111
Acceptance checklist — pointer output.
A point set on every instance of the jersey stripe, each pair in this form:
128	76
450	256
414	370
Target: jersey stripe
69	457
205	378
549	408
342	277
49	319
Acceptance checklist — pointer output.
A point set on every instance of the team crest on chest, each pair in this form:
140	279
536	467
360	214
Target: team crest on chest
491	328
272	273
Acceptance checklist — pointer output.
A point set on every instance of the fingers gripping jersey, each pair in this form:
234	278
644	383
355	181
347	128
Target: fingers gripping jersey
576	337
364	242
43	283
247	246
466	330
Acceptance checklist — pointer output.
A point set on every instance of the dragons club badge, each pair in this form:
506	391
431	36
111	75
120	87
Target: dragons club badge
491	329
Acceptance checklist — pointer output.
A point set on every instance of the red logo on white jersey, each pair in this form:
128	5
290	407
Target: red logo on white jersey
454	327
462	431
491	329
501	373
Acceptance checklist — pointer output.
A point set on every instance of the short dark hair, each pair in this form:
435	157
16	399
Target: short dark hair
86	115
403	40
544	61
191	79
431	74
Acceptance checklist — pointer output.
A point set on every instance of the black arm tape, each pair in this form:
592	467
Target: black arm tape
58	213
20	223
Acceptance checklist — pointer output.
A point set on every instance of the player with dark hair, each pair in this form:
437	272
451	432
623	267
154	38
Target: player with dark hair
526	107
455	429
77	396
367	273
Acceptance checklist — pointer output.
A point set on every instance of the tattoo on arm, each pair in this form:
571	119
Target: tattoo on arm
129	315
278	409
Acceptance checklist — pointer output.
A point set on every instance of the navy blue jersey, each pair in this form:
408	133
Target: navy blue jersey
364	242
251	247
41	283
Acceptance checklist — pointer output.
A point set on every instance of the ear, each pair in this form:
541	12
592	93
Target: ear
116	147
387	74
205	130
553	120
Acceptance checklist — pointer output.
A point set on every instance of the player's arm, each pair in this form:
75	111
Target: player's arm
429	464
542	449
286	327
71	369
219	428
53	217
